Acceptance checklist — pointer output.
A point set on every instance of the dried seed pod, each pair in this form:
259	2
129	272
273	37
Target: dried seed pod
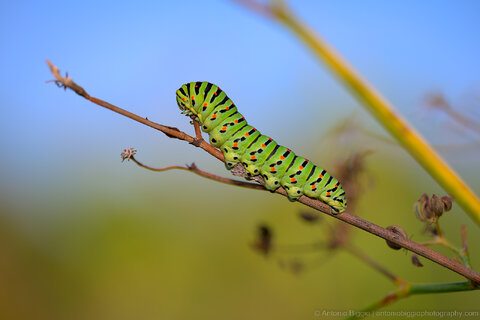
424	198
419	209
309	216
399	231
416	261
263	243
423	210
430	209
436	206
447	202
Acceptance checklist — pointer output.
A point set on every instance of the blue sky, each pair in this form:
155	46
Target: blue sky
137	54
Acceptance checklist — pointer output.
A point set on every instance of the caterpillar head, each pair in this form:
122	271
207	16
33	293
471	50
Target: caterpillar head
184	102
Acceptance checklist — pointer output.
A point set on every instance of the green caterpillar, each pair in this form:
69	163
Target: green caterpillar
259	154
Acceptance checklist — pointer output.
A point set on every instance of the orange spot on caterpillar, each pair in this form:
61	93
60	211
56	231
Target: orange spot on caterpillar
235	144
227	108
214	116
215	93
236	121
246	134
224	128
300	167
328	194
193	97
263	145
336	186
183	98
292	180
252	157
272	169
320	175
282	157
314	188
205	104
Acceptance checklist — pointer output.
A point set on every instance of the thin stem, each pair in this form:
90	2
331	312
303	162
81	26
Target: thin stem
437	229
424	288
408	289
193	168
442	241
198	131
371	262
464	251
438	101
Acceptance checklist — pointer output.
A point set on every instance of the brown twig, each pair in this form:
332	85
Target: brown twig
171	132
198	133
315	204
439	102
192	168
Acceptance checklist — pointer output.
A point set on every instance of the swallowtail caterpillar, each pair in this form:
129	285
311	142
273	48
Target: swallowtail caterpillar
259	154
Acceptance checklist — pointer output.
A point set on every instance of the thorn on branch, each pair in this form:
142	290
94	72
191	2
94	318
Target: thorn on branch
416	261
192	166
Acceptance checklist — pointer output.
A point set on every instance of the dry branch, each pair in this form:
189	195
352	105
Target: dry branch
349	218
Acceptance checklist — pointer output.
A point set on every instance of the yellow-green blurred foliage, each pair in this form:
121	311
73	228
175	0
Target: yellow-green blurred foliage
144	245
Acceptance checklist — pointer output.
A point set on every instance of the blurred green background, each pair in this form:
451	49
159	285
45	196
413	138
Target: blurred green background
84	236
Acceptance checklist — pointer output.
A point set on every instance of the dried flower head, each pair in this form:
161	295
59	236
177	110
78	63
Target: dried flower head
309	216
436	206
430	209
128	153
447	202
263	243
399	231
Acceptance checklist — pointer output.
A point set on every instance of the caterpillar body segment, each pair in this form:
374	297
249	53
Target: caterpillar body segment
259	154
256	154
238	143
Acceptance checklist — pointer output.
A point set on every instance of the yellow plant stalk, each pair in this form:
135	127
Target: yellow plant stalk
384	112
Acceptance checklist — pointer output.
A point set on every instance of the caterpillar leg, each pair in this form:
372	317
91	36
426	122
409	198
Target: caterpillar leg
334	196
275	166
254	158
295	177
321	185
235	147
